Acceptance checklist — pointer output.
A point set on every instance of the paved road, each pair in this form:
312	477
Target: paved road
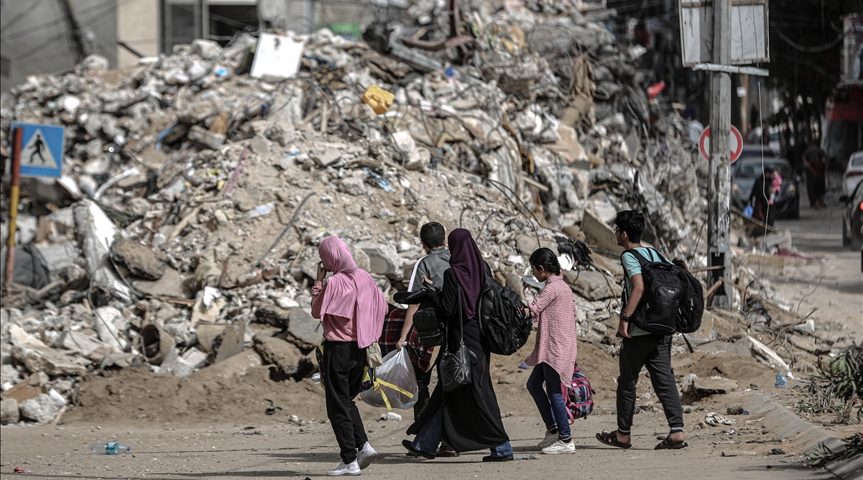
837	276
282	450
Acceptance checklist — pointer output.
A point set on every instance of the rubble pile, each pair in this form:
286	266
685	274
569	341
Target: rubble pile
184	228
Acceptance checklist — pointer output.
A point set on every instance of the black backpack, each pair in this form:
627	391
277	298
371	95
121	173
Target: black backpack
503	324
673	299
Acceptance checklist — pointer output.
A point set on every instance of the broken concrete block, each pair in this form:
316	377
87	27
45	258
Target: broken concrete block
104	322
77	342
713	385
206	49
598	234
603	210
327	157
96	233
41	409
21	338
383	259
353	186
768	264
183	365
593	286
303	330
230	342
140	260
8	375
205	137
47	360
766	355
273	315
286	357
236	366
526	244
568	145
24	391
207	334
170	285
286	302
9	413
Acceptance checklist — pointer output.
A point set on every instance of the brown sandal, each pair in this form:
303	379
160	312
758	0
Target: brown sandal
610	439
669	444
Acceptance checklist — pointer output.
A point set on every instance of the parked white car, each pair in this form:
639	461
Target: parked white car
853	174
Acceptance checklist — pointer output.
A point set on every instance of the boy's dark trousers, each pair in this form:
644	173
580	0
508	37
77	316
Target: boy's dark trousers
654	352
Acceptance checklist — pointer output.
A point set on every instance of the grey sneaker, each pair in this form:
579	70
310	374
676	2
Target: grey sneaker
548	440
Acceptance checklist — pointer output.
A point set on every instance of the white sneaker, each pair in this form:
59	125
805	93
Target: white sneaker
559	447
351	469
366	456
548	440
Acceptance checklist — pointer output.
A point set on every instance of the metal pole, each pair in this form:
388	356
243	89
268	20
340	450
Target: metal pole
13	204
719	179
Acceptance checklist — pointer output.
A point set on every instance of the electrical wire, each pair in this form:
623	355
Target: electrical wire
30	9
802	48
42	26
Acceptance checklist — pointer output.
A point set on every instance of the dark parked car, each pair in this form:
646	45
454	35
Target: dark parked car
852	219
751	165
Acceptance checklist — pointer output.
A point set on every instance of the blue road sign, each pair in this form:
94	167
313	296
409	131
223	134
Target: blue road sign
41	150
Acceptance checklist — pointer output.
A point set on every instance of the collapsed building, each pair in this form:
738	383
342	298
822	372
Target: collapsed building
183	230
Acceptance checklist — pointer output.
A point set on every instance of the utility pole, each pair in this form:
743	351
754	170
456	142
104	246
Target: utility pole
80	50
719	179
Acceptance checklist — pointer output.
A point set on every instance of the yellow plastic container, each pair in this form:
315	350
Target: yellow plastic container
379	99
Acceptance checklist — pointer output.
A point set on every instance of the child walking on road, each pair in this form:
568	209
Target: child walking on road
554	354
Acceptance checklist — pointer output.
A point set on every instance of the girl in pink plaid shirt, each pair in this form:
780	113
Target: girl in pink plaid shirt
554	354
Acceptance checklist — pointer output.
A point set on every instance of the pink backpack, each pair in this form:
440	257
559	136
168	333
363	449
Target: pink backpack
578	396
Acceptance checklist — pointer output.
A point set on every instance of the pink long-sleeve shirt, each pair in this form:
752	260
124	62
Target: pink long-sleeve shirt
557	336
336	329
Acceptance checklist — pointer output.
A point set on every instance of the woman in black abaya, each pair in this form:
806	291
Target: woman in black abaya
468	418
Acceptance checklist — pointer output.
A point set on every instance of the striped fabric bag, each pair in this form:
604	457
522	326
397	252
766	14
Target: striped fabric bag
578	396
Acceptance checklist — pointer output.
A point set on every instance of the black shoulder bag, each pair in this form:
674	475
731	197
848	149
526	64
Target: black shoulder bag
455	366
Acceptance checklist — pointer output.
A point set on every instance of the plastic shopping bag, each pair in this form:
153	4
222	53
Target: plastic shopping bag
395	384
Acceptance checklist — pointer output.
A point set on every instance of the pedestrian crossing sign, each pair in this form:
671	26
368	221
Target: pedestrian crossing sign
41	150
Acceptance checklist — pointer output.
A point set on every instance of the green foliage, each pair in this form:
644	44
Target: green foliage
837	387
824	455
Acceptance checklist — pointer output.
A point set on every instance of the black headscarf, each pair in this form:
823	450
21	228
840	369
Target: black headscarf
469	267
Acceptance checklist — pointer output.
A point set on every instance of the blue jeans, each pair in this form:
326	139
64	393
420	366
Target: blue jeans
430	434
550	403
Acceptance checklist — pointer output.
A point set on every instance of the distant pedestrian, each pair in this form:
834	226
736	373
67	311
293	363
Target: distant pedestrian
352	310
554	353
640	348
810	157
760	198
467	418
820	180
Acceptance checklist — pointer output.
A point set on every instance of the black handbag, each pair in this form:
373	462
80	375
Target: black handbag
455	366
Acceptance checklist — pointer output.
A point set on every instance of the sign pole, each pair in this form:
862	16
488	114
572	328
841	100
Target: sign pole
13	203
719	179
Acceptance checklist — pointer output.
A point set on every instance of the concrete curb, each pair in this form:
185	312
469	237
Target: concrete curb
802	435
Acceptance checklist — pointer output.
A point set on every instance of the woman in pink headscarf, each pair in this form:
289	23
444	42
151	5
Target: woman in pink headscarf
352	310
